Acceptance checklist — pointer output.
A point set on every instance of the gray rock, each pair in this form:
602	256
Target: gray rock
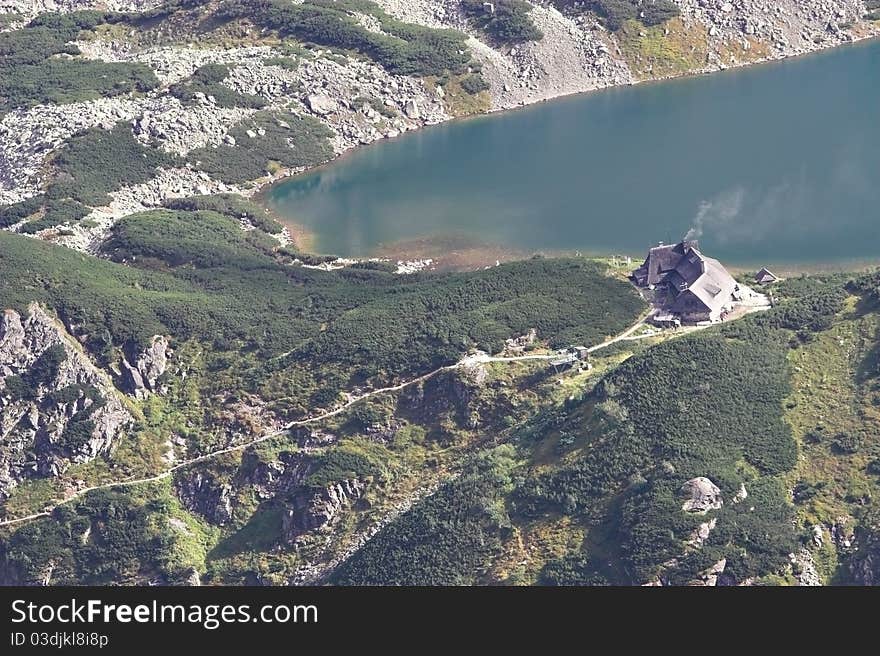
411	109
702	496
321	104
142	378
710	576
35	441
311	511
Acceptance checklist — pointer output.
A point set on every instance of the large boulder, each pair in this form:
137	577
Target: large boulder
701	496
321	104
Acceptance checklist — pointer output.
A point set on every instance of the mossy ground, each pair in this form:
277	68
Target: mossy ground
676	48
829	400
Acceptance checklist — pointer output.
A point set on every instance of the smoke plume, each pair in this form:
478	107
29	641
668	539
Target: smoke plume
716	214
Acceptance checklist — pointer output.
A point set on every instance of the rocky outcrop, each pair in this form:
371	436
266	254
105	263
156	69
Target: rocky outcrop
789	27
141	371
56	407
804	568
34	7
711	576
203	493
864	564
702	495
312	510
578	54
456	394
214	494
29	137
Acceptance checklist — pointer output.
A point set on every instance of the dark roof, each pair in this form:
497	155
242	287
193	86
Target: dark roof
765	275
660	261
711	290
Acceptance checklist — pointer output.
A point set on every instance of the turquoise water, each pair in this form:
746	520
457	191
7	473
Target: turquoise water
773	163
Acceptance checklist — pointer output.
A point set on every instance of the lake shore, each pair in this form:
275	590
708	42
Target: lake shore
428	246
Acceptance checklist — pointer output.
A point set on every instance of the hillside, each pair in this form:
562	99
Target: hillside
187	395
322	75
740	456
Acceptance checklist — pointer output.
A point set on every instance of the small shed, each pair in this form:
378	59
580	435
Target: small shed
765	277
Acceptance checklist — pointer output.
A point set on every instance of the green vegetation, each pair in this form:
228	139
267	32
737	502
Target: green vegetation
342	464
42	372
208	81
614	460
509	22
96	162
36	65
447	539
404	49
231	205
175	239
17	212
615	13
200	277
428	325
267	139
39	213
474	84
107	537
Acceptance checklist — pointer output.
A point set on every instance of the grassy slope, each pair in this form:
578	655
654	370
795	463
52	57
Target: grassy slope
231	301
568	523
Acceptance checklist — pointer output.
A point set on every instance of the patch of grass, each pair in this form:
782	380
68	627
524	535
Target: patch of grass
460	101
652	53
404	49
828	401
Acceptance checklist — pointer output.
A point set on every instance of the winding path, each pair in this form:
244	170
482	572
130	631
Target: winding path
468	361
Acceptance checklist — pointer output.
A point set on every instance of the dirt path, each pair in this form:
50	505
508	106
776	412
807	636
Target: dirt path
468	361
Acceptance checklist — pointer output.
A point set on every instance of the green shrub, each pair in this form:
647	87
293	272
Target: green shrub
615	13
571	570
56	212
96	162
207	80
231	205
31	73
342	464
447	539
125	538
508	23
287	139
12	214
404	49
474	84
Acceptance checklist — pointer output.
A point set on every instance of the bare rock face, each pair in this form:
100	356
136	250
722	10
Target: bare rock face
804	568
702	496
56	406
710	576
313	510
864	564
214	496
142	377
203	493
